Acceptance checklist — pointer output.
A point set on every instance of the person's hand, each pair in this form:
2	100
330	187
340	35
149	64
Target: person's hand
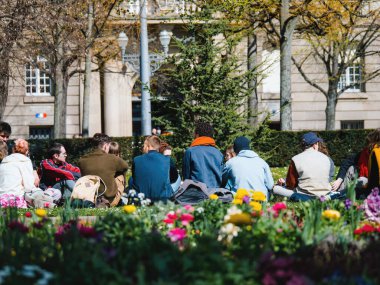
336	184
281	181
36	179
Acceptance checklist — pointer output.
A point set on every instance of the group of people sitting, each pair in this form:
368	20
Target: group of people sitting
154	173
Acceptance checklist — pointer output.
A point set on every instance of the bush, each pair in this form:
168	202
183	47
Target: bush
276	147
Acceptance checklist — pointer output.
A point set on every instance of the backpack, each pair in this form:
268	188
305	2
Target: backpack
37	198
86	191
193	192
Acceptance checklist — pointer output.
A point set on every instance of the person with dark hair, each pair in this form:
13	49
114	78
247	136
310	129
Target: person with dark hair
358	165
105	165
308	174
247	170
5	131
203	162
56	172
151	172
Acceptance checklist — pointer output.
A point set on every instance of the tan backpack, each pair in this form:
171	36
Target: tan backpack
87	188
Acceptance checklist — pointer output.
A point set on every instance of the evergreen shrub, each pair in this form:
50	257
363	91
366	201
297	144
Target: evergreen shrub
276	147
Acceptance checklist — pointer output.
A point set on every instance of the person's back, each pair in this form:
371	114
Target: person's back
16	171
105	165
203	162
247	170
151	172
313	168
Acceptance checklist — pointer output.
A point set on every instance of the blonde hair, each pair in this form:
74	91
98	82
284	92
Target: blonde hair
3	150
114	148
322	147
21	146
230	152
153	141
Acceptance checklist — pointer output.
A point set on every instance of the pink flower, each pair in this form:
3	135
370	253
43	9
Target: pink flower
87	232
171	215
186	219
189	208
177	234
279	206
168	221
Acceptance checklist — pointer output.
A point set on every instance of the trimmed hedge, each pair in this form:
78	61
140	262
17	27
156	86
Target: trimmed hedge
276	147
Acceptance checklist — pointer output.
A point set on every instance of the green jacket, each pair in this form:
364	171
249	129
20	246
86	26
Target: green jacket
105	165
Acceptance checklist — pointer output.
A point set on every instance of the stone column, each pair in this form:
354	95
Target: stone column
117	100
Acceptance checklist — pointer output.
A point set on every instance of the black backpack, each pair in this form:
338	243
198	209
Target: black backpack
193	192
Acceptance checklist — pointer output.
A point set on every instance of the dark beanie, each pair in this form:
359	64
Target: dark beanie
241	143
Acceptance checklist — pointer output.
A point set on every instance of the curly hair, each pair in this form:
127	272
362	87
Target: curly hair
204	129
21	146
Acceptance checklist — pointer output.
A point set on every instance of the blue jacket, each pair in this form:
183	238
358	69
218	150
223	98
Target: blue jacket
150	173
203	164
247	170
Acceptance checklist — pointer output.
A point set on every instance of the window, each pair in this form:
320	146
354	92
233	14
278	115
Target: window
136	118
37	82
351	125
40	132
352	75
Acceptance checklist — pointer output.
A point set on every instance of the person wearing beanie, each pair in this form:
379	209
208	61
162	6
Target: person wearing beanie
203	162
247	170
308	174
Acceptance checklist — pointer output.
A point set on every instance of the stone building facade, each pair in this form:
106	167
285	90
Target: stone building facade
115	100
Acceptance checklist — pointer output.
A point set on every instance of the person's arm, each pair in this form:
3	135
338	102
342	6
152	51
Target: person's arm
352	160
332	170
292	176
74	170
269	183
52	169
173	171
121	165
225	174
28	177
186	171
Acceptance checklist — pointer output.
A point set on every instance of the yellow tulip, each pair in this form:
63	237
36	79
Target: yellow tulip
41	213
256	206
331	214
129	209
213	197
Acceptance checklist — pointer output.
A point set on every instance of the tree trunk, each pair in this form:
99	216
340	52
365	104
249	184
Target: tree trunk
4	81
60	93
332	100
253	103
287	27
87	76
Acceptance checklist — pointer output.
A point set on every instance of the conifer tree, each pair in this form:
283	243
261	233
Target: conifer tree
204	82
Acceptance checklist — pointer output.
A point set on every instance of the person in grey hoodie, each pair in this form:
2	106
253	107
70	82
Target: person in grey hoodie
247	170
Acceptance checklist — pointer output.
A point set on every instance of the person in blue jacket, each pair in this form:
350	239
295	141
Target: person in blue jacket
203	162
247	170
151	172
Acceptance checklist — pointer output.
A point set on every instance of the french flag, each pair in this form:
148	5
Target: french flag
41	115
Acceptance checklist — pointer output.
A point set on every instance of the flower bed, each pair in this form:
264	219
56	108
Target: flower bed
247	242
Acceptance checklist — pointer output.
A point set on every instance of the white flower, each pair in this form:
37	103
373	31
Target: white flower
141	196
200	210
132	192
228	232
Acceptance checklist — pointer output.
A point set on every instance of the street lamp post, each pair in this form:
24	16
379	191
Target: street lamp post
145	64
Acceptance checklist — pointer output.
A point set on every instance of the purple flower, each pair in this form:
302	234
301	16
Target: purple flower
348	204
246	199
372	206
322	198
16	225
